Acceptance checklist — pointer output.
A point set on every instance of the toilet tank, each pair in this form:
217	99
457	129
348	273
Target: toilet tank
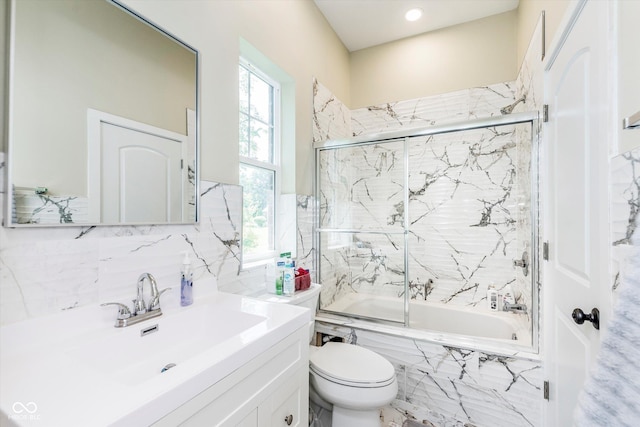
307	298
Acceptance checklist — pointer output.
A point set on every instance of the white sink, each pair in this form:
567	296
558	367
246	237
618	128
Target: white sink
78	363
130	355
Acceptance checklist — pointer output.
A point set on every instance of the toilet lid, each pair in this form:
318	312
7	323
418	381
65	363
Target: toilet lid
351	364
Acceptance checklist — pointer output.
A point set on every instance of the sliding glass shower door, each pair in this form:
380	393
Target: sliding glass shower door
436	215
361	194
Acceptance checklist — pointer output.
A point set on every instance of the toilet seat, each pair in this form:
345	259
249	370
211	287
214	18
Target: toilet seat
351	366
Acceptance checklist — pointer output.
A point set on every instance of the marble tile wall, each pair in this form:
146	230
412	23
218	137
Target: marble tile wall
441	385
305	247
47	269
455	106
451	387
624	209
331	118
463	214
362	188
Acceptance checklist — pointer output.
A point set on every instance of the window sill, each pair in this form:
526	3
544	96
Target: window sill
255	264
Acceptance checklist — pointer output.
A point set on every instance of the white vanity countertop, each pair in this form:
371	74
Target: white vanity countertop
73	368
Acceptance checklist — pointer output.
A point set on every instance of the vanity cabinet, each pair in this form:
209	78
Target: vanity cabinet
272	390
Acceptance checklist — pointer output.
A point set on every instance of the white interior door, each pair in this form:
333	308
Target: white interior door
137	172
141	177
576	213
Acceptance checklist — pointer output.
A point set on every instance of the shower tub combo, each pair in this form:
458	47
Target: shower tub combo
415	227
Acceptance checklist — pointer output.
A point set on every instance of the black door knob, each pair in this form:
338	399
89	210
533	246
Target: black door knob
580	316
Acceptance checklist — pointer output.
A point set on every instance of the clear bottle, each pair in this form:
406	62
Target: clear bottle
289	281
280	276
186	282
492	297
508	296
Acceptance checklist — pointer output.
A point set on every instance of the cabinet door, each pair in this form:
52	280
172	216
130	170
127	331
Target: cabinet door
288	404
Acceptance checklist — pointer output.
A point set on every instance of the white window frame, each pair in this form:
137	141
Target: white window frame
263	258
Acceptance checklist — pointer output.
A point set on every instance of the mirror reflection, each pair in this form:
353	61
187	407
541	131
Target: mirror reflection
102	117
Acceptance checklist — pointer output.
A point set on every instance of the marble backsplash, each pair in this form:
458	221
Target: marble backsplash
47	269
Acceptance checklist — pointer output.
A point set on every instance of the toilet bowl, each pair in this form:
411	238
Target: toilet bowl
347	384
356	381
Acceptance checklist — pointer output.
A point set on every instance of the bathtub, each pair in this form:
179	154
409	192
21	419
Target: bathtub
441	322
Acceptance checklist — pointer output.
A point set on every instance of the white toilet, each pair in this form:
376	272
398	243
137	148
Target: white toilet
356	381
350	382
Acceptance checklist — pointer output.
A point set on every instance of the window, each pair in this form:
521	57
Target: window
259	162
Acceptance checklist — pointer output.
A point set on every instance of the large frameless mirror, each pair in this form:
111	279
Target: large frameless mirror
102	117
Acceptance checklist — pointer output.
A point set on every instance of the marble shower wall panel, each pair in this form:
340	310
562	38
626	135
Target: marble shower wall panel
530	82
449	386
362	187
625	200
305	209
364	263
525	154
438	109
624	209
45	270
331	118
462	212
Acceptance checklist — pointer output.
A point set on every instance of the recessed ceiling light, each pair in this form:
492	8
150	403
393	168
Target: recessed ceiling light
413	14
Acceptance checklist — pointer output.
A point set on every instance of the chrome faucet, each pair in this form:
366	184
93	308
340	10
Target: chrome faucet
140	312
515	308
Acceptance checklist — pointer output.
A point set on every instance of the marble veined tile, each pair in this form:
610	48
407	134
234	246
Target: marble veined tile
331	118
450	386
624	208
437	109
625	198
305	211
362	187
45	270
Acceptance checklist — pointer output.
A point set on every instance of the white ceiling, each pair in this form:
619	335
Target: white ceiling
366	23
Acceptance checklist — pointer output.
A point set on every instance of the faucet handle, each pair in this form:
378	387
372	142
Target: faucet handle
154	303
139	306
123	310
